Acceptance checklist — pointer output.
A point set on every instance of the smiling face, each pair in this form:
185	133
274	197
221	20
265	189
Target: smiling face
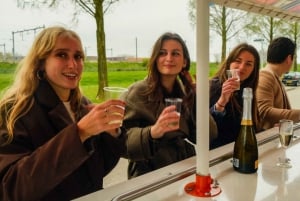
64	65
171	58
245	63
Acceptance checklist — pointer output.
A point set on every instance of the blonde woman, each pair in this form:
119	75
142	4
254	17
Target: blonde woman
55	145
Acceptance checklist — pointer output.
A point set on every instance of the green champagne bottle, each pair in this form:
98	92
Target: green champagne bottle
245	153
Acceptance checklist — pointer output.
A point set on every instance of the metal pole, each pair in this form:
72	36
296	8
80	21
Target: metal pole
22	31
202	95
13	45
136	50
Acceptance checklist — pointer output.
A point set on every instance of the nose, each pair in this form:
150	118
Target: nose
72	63
169	56
242	66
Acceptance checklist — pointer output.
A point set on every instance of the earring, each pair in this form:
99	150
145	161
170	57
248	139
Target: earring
40	74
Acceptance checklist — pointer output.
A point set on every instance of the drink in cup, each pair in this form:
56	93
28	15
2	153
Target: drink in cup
285	132
114	93
285	135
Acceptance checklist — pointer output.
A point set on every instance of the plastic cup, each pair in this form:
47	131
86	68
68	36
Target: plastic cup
234	73
113	92
177	102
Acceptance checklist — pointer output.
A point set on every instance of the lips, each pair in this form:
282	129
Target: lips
70	75
169	66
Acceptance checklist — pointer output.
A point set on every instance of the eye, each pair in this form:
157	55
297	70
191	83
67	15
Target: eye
176	53
78	56
250	64
237	60
62	54
162	53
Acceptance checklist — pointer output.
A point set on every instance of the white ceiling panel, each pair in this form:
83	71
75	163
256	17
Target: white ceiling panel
285	9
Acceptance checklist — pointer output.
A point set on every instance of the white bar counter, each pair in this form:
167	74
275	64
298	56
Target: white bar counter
270	183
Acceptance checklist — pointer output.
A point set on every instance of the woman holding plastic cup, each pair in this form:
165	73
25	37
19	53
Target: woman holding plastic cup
239	70
54	143
157	133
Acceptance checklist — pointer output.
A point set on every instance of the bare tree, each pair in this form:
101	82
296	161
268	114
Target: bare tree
95	8
225	22
264	27
291	29
267	28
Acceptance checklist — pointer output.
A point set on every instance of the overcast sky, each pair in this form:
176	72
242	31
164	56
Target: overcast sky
131	26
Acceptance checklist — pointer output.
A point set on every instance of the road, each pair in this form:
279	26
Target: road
119	173
294	96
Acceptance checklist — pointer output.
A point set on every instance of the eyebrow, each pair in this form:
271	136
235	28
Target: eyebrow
66	49
60	49
172	50
251	61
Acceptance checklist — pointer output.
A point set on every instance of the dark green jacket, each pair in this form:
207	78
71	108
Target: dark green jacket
144	153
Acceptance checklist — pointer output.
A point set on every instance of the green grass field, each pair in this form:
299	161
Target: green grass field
120	74
89	81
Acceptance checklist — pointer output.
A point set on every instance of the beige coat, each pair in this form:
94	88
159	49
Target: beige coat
273	103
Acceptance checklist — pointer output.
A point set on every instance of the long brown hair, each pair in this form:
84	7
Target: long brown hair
251	81
154	75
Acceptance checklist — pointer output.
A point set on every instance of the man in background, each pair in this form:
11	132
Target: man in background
272	100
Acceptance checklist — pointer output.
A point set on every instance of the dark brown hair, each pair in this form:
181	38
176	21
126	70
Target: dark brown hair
154	77
251	81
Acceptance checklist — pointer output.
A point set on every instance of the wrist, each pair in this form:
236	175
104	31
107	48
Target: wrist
220	105
154	133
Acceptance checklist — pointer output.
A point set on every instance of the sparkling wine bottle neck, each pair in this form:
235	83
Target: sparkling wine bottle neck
247	107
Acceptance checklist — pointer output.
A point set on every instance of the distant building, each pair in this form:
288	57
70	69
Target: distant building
120	58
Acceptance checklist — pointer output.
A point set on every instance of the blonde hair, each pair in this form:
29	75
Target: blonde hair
18	98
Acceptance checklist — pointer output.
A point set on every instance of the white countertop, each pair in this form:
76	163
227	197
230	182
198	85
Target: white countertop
268	184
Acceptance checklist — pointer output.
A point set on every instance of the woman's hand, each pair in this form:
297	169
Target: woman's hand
228	87
167	121
107	116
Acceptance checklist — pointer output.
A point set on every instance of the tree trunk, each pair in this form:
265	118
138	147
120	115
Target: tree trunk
101	49
224	34
295	40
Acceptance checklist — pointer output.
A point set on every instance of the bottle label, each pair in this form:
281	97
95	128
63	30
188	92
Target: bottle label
236	162
246	122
